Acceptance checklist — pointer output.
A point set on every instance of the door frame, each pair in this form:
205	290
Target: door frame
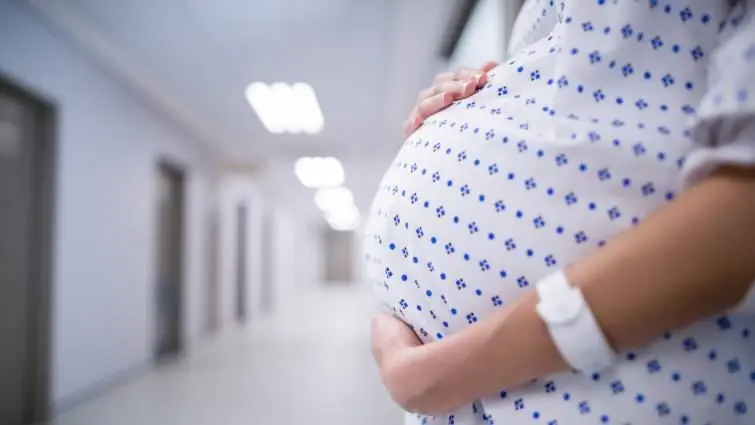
268	256
179	172
212	304
38	395
242	266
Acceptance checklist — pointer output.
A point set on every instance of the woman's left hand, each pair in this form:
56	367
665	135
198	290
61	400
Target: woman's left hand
446	88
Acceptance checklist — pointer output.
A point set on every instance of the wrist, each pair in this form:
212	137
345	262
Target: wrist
406	376
453	371
571	324
387	356
425	379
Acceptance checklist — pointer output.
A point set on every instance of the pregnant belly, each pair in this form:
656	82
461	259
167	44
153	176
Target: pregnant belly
474	210
477	208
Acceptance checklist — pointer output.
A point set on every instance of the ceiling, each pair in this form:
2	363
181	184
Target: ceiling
193	58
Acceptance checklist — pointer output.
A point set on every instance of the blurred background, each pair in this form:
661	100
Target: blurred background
182	187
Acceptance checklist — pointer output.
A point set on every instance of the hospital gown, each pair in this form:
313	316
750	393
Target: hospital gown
605	112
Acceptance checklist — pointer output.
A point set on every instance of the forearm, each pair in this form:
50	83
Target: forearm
690	260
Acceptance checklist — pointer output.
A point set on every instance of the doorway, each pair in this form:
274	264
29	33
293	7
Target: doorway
169	284
213	290
26	176
339	262
241	266
267	258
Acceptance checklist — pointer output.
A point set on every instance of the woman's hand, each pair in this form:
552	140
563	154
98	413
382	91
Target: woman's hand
392	343
389	336
446	88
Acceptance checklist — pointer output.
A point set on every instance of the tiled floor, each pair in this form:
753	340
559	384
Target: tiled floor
309	365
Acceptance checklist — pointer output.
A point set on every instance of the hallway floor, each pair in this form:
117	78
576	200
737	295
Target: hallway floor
310	364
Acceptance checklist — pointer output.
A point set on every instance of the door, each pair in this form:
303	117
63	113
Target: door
170	185
267	259
213	290
339	261
24	301
241	266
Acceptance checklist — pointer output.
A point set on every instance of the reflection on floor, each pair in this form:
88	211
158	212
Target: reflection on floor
309	365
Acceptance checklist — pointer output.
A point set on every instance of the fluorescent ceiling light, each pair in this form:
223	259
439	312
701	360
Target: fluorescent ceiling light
343	219
319	172
306	109
286	108
261	98
333	199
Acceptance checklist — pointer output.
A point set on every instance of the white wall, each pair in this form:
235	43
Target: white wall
286	265
297	253
108	146
309	250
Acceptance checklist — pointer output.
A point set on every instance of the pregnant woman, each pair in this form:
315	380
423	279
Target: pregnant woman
571	239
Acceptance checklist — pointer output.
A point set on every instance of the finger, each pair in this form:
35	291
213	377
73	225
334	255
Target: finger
428	92
424	109
463	90
478	75
382	319
412	123
487	66
409	124
446	76
432	100
461	74
468	74
457	88
433	104
482	77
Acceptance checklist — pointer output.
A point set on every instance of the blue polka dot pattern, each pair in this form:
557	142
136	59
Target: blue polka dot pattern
604	111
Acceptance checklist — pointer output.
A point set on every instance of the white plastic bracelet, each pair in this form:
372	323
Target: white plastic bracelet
572	325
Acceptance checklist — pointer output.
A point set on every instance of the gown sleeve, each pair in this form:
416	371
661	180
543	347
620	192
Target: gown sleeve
536	20
724	130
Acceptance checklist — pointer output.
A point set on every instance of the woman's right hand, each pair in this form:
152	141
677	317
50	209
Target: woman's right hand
446	88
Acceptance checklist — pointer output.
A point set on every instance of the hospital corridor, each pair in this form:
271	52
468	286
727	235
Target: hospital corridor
184	186
387	212
313	366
